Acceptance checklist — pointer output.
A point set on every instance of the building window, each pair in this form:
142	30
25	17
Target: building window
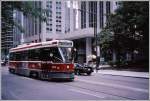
83	14
40	26
48	24
58	25
58	13
101	14
49	14
93	13
58	17
58	2
108	7
58	8
58	30
47	28
49	2
58	21
107	10
40	40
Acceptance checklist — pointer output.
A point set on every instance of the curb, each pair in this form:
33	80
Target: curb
146	77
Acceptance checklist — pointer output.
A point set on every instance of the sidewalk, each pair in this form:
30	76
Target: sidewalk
124	73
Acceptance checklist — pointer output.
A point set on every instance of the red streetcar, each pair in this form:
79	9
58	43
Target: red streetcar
45	60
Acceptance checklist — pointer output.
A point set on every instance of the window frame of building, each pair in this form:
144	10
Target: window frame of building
101	12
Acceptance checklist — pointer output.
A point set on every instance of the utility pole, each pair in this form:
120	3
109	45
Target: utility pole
95	36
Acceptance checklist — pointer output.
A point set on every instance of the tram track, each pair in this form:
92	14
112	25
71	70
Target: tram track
76	84
104	76
97	91
84	87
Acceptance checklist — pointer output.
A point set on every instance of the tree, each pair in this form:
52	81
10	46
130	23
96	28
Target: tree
130	26
24	6
27	8
105	39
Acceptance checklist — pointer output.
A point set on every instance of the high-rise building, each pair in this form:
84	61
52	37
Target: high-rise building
73	20
7	30
16	31
87	13
32	26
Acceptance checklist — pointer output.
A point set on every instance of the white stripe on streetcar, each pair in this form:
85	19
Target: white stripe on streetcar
25	61
41	62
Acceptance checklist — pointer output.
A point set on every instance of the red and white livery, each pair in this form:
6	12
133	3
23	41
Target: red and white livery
45	60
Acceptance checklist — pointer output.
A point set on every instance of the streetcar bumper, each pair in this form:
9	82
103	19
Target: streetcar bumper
58	75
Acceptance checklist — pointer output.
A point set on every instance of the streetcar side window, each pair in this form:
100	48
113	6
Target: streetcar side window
24	55
34	55
17	56
11	56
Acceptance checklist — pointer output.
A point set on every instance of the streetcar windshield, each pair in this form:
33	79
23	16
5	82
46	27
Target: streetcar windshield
66	52
51	54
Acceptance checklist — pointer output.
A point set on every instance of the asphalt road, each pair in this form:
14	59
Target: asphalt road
94	87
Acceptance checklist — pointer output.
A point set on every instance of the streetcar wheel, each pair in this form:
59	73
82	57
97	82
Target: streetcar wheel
78	72
75	72
89	73
11	70
34	75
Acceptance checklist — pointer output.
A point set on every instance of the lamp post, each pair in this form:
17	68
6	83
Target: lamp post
95	33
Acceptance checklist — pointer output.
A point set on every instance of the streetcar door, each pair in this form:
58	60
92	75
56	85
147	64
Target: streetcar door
44	63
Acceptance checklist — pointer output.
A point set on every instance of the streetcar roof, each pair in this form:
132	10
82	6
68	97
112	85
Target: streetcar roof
53	43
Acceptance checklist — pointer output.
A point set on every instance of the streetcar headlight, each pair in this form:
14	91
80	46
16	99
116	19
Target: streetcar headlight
39	64
58	68
53	67
67	66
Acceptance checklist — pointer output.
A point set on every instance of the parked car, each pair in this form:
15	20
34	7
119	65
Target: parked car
80	69
3	62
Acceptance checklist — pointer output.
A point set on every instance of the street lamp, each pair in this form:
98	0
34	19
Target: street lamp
95	33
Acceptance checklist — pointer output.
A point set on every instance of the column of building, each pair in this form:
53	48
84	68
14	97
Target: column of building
43	29
22	33
71	17
79	15
104	10
88	40
87	14
98	26
63	16
88	48
54	18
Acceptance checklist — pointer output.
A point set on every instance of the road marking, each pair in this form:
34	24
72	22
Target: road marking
83	92
13	95
116	86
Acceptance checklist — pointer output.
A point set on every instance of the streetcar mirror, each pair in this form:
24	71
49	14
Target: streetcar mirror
51	54
69	49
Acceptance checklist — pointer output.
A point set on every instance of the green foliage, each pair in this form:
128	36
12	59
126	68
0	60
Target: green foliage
130	25
24	6
105	38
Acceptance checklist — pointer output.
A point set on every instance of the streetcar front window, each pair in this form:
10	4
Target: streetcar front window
51	54
66	54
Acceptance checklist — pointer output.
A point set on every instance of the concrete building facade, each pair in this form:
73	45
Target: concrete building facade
72	20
